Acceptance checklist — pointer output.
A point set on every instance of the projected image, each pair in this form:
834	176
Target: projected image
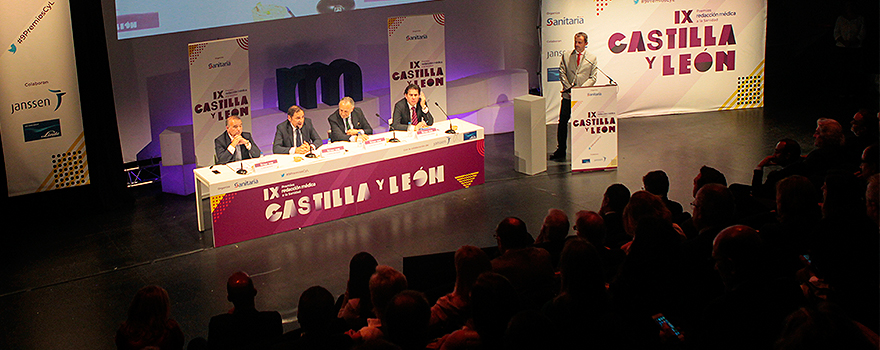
139	18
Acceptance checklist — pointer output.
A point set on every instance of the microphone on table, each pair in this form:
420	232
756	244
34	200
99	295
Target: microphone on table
393	138
242	170
451	130
311	154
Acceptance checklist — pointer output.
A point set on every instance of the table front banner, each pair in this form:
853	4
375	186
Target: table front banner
288	205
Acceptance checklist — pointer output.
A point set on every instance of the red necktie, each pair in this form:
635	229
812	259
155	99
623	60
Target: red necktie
415	118
579	60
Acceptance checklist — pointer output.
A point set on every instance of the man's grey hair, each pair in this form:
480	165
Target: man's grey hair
347	100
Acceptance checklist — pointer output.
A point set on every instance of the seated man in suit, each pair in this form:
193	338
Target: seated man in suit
412	109
234	144
296	135
348	122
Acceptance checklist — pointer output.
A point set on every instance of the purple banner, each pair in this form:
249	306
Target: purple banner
289	205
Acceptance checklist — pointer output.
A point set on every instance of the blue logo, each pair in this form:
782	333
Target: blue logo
553	74
587	161
636	1
470	135
12	48
42	130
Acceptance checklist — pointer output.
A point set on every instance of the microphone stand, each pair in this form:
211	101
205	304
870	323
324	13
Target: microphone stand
451	130
311	154
393	138
610	81
241	171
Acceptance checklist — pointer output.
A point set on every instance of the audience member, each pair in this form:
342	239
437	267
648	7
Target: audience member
494	302
384	285
642	205
797	217
589	225
787	155
553	233
528	268
529	330
869	162
824	327
582	311
863	131
243	327
650	279
318	324
614	201
872	199
845	253
451	311
708	175
830	153
405	320
355	306
149	323
751	312
657	182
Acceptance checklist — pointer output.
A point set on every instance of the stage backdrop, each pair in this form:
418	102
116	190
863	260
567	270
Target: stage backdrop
669	56
219	79
41	120
417	55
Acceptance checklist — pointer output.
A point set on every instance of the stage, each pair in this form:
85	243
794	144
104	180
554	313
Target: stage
69	280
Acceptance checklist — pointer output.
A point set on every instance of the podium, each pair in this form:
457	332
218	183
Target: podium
594	128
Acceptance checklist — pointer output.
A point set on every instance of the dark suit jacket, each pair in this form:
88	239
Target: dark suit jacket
251	330
337	125
222	142
402	115
285	139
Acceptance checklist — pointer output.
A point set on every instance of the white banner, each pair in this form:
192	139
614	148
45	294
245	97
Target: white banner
219	79
668	56
417	55
594	128
41	121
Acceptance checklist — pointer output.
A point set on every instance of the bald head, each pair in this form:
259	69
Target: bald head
240	288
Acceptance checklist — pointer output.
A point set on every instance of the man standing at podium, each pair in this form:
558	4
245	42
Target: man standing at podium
234	144
575	70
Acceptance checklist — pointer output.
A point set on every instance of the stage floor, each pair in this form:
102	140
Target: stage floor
68	282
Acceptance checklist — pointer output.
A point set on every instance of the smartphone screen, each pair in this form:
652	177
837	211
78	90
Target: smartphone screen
662	320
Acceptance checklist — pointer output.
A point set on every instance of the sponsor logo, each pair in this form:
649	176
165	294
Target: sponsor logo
219	64
555	53
565	21
470	135
12	48
42	130
37	103
416	37
247	183
553	74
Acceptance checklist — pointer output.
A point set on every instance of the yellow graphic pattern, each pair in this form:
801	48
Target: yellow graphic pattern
613	163
749	91
69	169
215	201
467	179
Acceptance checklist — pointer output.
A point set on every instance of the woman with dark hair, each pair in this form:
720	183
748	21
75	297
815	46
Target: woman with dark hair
149	322
355	306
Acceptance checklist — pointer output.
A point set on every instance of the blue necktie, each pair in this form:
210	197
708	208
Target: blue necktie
299	138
